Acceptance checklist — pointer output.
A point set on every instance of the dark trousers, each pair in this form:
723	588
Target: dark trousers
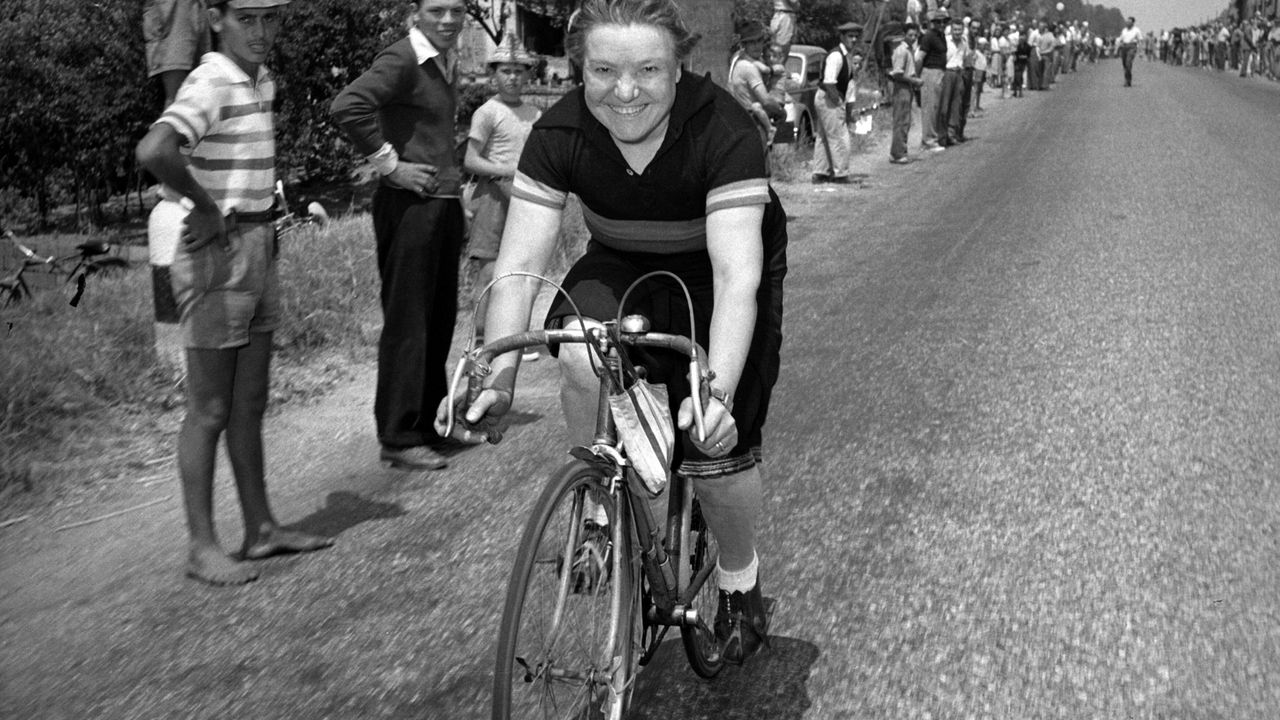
950	107
1019	72
966	99
903	96
1035	70
1126	57
419	243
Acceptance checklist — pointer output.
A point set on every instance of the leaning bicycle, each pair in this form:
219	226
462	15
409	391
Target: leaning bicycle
600	577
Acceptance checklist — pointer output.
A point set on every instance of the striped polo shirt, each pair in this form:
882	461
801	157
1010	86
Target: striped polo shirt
225	118
710	159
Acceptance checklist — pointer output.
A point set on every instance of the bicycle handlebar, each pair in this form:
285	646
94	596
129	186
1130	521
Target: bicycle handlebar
475	364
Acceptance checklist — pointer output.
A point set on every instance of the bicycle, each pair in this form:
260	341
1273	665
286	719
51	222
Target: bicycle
90	258
596	585
291	221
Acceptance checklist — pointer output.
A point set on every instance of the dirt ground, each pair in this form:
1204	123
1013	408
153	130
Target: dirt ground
91	557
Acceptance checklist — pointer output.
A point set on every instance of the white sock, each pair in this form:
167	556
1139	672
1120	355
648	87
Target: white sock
738	580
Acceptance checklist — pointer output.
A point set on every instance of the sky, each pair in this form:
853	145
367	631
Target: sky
1165	14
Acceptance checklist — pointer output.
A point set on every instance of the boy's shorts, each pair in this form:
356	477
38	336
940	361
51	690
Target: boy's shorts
176	34
224	295
490	203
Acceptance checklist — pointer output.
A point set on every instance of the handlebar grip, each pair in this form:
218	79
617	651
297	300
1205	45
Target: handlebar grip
492	433
474	388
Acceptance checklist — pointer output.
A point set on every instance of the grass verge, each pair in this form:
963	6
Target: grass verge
83	398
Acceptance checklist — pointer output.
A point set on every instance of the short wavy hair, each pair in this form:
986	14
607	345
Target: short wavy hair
663	14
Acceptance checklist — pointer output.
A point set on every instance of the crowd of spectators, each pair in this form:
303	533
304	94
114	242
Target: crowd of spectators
1250	48
946	63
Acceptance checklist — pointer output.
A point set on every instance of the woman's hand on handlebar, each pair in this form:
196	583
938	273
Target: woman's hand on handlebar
722	429
481	422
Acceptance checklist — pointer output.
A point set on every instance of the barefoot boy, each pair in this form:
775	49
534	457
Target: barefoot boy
499	128
224	278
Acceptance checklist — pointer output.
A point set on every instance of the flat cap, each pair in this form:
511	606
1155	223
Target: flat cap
849	27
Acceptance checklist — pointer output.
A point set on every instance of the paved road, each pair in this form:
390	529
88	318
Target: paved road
1023	463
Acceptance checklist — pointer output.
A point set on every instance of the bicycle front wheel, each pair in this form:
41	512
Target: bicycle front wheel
564	647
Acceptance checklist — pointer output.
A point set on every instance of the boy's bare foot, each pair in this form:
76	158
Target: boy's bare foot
278	541
211	565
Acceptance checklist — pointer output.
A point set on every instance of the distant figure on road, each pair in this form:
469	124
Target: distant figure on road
951	104
905	76
225	279
1021	58
933	63
400	115
1130	36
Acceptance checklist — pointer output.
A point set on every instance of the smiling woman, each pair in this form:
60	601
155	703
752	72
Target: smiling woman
671	176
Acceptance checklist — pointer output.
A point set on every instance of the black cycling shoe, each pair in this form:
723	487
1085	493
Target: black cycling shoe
741	624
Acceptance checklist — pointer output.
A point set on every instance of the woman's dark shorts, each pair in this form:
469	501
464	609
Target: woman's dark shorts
599	279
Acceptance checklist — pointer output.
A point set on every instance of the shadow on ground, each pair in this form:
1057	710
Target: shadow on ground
344	510
771	685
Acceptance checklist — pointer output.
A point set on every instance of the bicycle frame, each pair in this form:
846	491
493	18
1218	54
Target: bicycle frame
671	595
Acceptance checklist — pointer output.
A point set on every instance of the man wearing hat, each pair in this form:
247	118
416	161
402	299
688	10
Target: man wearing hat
224	279
400	115
933	63
831	157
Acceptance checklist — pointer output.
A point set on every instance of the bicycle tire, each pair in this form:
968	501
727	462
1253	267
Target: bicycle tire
564	645
700	645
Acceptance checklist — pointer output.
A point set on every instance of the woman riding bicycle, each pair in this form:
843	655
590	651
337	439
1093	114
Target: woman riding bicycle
671	176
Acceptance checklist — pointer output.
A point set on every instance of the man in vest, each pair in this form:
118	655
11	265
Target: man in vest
831	154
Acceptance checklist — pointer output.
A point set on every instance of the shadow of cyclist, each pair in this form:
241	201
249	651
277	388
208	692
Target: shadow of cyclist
771	685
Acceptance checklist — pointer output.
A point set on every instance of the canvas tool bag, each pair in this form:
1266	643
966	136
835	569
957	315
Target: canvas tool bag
645	429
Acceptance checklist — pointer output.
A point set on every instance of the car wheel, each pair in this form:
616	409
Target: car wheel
804	131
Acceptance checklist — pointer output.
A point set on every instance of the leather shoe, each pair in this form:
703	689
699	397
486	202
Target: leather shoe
419	457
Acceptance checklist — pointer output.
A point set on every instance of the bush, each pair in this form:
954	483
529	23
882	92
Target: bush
324	45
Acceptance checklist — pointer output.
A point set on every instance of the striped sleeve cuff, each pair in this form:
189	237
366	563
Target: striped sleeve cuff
526	188
739	194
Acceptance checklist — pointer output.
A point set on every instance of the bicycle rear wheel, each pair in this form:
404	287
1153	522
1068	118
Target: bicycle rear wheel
564	647
698	551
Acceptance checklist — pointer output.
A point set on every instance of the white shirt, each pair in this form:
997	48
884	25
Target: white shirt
956	52
1130	35
831	66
